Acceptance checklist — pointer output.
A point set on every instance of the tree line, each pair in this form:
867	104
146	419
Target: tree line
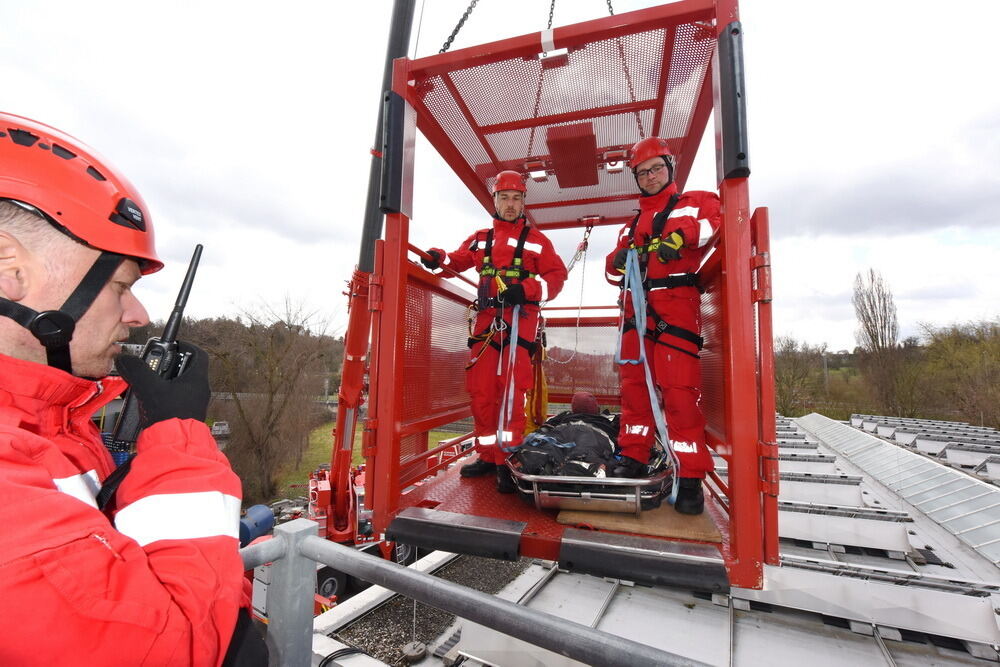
269	372
948	372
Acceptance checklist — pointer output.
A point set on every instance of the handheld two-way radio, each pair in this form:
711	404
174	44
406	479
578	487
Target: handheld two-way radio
162	355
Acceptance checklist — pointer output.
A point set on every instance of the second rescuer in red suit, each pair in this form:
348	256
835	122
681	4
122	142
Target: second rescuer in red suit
538	277
670	254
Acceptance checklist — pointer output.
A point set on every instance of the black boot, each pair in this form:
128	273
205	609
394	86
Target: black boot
690	496
629	467
478	468
505	481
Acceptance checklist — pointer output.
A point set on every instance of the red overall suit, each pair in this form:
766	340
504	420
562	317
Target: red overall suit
673	354
159	581
487	379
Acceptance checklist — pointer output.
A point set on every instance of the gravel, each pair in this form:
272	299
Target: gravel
384	632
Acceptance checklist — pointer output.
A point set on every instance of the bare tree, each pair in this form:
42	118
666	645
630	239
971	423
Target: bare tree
272	372
877	335
798	375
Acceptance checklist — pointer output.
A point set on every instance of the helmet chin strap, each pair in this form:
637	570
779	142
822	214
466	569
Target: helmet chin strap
54	328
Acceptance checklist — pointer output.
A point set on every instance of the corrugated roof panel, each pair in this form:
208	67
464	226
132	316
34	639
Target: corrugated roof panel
966	507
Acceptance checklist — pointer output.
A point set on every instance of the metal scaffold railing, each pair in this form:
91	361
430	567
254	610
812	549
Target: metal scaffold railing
296	546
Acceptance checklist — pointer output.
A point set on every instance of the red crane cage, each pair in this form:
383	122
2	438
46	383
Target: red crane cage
590	91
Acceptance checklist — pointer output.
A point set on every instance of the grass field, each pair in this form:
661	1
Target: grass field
293	482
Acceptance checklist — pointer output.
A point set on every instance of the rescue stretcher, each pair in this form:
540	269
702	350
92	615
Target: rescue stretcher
596	494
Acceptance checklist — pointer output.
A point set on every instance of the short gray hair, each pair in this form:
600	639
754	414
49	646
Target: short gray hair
34	231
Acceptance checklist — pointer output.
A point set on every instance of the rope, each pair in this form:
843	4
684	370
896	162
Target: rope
507	403
420	26
461	22
632	284
581	252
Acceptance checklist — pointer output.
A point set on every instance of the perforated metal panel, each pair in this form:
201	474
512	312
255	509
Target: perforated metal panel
497	115
593	366
434	354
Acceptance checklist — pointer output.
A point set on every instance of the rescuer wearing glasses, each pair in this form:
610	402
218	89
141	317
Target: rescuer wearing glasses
670	234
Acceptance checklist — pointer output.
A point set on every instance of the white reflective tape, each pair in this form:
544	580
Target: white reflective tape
487	439
545	288
685	447
533	247
180	516
507	436
547	42
705	231
82	487
636	429
681	212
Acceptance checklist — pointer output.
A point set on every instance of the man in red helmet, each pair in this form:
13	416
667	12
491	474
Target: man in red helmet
518	269
670	235
157	579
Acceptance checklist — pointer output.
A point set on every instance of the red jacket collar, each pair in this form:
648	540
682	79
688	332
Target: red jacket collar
49	394
657	202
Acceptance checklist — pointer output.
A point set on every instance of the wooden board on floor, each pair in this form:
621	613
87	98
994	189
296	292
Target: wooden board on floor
661	522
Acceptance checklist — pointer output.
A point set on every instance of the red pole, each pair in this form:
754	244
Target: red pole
760	228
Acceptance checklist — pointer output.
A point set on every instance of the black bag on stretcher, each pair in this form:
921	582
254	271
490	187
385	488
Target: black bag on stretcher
563	465
570	444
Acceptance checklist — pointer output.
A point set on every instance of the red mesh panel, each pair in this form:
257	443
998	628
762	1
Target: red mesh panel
434	355
593	367
713	400
500	104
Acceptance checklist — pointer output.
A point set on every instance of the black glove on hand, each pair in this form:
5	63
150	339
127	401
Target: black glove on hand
670	246
620	258
513	295
435	260
185	396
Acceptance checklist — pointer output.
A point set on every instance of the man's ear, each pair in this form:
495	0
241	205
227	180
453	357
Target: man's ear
13	268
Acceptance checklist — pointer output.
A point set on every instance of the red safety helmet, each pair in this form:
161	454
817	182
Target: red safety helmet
647	148
509	180
68	182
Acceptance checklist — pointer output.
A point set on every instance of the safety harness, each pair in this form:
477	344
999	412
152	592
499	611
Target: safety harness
489	273
660	326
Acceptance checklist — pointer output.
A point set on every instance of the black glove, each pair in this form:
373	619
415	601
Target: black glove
435	260
185	396
513	295
670	246
620	258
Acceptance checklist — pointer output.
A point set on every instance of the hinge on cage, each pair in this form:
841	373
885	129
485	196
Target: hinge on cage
769	473
760	265
368	438
375	294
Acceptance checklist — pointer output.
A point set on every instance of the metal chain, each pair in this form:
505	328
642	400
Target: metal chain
461	22
611	10
541	75
552	10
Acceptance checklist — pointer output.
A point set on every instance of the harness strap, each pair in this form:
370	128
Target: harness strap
663	327
659	222
670	282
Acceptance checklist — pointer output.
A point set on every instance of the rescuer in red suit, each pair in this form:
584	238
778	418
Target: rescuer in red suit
670	233
156	578
514	252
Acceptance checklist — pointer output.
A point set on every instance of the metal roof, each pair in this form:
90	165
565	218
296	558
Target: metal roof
965	506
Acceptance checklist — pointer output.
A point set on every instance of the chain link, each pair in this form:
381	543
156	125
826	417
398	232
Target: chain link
611	10
552	10
461	22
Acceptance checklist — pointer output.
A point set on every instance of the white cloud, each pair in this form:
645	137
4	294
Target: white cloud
247	125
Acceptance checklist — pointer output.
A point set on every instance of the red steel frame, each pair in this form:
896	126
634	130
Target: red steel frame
740	267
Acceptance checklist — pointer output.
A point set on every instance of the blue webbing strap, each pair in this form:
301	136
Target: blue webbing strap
632	284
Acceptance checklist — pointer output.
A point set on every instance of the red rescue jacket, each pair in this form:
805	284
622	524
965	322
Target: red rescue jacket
538	257
160	582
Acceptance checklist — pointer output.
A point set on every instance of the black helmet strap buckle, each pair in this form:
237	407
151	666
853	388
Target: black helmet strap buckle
54	328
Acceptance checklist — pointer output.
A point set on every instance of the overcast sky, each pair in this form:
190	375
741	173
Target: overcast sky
874	137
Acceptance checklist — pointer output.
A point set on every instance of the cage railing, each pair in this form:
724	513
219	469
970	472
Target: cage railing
296	547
